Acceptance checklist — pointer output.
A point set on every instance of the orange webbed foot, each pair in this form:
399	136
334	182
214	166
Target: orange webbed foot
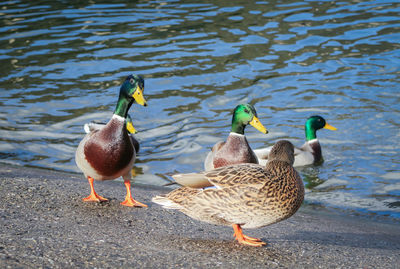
244	239
94	197
129	201
252	243
252	239
132	203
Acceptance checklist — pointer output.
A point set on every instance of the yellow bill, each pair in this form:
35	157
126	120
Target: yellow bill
138	96
258	125
130	128
330	127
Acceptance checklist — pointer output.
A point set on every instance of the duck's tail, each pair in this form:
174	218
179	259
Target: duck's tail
193	180
165	202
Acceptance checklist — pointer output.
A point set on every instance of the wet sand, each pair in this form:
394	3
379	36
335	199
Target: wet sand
44	223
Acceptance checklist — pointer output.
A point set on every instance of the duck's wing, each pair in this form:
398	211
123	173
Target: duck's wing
174	199
135	143
303	156
209	161
222	177
93	126
238	174
218	206
297	151
262	155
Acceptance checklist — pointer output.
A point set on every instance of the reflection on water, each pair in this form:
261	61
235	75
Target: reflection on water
62	64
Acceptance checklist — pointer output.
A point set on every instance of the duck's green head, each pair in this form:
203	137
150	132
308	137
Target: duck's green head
129	125
243	115
315	123
131	90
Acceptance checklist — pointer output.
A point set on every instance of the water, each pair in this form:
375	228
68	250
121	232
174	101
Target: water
62	64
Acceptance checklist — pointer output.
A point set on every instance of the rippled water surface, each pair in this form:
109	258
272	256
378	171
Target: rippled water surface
63	61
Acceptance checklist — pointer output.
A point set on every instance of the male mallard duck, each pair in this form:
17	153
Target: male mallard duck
310	152
97	125
246	195
236	149
107	153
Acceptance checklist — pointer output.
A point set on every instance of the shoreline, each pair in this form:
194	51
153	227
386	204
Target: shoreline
311	208
45	224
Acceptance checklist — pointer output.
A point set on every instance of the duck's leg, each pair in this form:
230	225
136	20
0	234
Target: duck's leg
244	239
93	197
129	201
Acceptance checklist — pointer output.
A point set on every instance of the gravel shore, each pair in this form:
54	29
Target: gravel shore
44	223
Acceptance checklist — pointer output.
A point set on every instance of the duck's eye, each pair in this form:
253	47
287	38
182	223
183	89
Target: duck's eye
131	81
246	110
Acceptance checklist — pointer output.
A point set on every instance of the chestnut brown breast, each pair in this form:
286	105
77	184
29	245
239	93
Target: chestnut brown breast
236	150
109	150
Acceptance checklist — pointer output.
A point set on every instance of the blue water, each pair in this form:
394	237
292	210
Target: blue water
62	65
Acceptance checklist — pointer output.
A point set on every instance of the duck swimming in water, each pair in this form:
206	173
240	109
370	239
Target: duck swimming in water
310	152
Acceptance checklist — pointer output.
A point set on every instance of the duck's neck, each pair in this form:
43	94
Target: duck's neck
119	118
122	107
237	127
311	133
233	134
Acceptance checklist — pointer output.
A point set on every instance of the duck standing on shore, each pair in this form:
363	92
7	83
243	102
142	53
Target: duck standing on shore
107	152
310	152
236	149
243	195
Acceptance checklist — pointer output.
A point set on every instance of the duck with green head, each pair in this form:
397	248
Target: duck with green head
242	195
310	152
107	153
236	149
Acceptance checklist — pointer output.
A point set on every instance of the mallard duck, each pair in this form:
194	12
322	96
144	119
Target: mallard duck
310	152
236	149
108	153
244	195
97	125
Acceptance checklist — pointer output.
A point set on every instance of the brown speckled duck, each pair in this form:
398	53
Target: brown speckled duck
244	195
108	153
236	149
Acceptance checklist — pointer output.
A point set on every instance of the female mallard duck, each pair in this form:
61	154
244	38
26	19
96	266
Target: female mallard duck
97	125
108	153
236	149
246	195
310	152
